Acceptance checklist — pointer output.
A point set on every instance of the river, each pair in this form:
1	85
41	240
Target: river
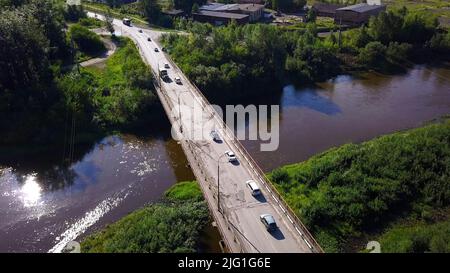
44	204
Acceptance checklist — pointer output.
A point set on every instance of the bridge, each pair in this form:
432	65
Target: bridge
236	212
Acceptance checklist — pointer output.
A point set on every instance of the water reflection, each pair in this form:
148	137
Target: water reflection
30	191
310	99
44	207
354	109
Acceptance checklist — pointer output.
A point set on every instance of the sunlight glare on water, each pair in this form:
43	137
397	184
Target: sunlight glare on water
31	191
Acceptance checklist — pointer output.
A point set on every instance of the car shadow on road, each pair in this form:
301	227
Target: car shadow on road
277	234
261	198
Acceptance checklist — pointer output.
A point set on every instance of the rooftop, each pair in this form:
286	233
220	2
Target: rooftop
363	7
250	7
222	14
326	7
230	7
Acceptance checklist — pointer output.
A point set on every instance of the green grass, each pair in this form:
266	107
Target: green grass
91	22
437	7
417	238
189	190
163	227
347	193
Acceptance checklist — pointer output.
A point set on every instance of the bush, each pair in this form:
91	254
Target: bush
397	53
417	238
87	41
373	54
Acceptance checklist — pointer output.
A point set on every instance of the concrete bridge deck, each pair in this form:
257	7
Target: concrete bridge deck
238	217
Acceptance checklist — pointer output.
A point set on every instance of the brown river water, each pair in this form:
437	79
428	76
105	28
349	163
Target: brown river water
43	205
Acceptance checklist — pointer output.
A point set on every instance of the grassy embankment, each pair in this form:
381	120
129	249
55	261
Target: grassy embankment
172	225
395	189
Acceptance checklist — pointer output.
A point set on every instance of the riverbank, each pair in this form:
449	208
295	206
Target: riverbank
171	225
352	194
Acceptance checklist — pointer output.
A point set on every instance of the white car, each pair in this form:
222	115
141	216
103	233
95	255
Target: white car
254	188
177	80
231	156
166	65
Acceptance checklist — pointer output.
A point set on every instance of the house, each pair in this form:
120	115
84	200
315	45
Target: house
254	11
325	9
219	18
357	14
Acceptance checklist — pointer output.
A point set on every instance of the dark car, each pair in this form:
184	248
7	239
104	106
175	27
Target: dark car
268	221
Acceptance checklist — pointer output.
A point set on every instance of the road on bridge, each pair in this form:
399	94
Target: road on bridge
238	220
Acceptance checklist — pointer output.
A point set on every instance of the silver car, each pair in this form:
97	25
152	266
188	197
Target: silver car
268	221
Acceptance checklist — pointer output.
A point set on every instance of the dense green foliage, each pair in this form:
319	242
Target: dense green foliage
163	227
86	41
287	5
37	94
32	48
347	191
91	22
246	58
418	238
117	97
73	13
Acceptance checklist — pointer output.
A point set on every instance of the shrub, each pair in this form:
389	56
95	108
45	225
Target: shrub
87	41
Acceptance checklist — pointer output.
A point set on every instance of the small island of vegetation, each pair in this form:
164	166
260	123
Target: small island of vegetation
172	225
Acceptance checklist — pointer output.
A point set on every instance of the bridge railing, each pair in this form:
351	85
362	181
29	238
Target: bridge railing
297	224
293	219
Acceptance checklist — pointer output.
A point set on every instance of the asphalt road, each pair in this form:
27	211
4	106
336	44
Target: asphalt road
239	206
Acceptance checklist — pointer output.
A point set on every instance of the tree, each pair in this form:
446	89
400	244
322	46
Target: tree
311	16
74	13
152	11
109	22
187	5
195	7
373	54
87	41
23	36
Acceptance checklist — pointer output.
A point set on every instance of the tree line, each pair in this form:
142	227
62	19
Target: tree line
40	86
239	58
